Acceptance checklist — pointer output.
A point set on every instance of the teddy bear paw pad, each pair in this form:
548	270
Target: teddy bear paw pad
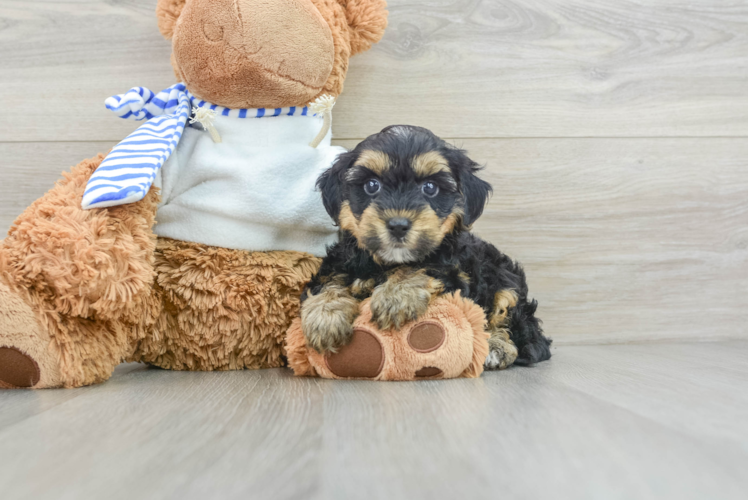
17	369
428	372
362	358
426	337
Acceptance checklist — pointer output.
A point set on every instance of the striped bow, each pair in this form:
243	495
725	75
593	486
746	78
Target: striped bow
128	171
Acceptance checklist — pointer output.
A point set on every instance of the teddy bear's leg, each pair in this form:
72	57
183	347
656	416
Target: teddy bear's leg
447	341
76	286
223	309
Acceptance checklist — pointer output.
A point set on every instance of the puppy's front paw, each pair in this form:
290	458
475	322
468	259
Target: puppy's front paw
395	303
501	352
327	320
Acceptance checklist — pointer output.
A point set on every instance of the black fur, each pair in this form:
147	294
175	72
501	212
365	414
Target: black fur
461	261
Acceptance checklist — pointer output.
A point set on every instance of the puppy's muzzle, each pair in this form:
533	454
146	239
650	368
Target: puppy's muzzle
399	227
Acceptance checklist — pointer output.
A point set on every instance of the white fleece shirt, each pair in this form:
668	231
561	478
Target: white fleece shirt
254	191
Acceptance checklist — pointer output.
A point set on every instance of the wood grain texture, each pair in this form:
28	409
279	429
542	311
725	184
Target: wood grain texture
661	421
469	68
622	239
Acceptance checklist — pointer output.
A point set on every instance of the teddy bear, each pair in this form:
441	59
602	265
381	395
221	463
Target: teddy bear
188	245
450	340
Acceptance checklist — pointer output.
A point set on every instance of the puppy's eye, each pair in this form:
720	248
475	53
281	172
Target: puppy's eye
372	187
430	189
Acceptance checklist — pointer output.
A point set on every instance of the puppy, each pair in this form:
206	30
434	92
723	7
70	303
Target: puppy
404	201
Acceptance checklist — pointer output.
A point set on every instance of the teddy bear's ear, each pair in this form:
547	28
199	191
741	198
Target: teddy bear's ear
367	20
167	13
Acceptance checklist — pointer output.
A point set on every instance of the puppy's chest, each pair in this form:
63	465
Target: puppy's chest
363	280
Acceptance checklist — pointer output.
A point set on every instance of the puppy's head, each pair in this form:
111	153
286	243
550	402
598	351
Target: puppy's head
401	191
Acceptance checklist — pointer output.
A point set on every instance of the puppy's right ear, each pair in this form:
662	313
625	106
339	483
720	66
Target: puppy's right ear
330	183
167	13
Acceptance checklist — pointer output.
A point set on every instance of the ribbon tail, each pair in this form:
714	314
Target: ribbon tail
128	171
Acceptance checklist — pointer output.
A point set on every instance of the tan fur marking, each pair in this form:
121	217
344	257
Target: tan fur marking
376	161
501	350
502	302
373	224
361	287
429	164
359	228
346	219
404	297
333	279
451	222
426	224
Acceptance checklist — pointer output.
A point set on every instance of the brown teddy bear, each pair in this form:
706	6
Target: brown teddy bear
448	341
83	289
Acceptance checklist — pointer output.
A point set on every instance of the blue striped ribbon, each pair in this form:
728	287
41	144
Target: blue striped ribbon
128	171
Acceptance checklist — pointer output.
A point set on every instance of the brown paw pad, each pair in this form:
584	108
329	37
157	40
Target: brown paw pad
426	337
17	369
362	358
428	371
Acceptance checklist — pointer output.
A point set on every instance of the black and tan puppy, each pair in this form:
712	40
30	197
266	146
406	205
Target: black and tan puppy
404	201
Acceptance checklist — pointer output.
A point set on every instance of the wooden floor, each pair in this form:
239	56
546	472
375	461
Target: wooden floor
665	421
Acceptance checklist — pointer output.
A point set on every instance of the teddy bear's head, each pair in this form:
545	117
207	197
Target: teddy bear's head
267	53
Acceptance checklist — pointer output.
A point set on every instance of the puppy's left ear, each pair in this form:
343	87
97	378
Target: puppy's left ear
475	191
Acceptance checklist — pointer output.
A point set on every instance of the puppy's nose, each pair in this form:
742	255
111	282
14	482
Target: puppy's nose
399	227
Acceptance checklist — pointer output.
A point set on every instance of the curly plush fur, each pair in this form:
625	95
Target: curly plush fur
105	289
87	274
91	288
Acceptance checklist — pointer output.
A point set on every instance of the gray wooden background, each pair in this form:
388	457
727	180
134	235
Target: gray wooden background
615	134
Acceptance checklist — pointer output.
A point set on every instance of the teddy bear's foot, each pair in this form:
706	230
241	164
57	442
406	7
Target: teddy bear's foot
448	342
28	358
363	357
17	370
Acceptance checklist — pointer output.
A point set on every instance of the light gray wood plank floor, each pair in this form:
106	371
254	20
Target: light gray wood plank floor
640	421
